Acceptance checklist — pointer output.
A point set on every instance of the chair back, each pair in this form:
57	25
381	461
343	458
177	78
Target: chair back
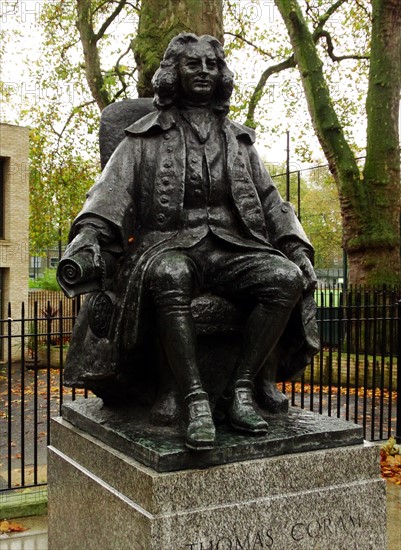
115	118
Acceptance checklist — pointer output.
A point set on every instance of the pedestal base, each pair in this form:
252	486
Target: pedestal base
162	448
100	498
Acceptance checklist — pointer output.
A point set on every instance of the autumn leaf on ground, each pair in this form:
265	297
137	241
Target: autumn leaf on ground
390	461
11	527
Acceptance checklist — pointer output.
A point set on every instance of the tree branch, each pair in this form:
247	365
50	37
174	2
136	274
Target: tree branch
110	20
290	62
326	16
120	74
69	118
330	47
257	48
89	41
258	92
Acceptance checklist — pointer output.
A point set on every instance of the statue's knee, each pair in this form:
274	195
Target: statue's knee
295	278
285	287
170	272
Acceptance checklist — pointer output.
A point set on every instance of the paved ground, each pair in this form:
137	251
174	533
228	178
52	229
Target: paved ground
35	538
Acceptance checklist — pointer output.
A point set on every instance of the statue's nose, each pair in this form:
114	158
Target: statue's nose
204	67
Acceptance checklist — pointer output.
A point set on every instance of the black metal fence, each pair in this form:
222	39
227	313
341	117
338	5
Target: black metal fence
356	375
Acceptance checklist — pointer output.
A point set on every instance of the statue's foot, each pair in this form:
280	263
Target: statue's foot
242	413
201	432
272	399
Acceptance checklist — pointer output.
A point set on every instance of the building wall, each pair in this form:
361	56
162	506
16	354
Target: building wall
14	243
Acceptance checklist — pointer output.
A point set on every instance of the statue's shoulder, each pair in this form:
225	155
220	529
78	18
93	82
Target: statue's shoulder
156	120
242	132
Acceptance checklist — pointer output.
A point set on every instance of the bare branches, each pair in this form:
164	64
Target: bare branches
326	16
258	92
246	41
290	62
330	48
121	4
73	112
121	74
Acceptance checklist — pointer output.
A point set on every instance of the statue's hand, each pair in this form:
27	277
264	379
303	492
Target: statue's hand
86	241
300	257
82	260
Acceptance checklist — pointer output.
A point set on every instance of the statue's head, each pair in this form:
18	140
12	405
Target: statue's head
193	70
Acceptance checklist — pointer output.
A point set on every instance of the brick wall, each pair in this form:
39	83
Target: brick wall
14	246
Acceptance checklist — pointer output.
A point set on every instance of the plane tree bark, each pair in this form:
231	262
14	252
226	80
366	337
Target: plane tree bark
369	197
159	22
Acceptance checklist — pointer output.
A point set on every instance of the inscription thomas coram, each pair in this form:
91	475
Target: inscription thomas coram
308	530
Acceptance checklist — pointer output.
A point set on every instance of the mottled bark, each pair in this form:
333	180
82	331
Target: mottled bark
89	40
380	240
160	21
370	201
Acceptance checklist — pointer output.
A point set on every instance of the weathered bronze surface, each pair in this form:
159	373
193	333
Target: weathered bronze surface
200	276
130	431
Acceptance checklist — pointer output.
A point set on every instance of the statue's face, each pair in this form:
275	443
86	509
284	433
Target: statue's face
198	72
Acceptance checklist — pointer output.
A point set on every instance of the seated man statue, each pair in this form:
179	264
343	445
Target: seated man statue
185	206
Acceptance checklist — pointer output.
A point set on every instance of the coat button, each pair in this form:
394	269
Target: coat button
164	199
194	177
169	149
167	164
166	136
165	182
194	160
285	208
161	218
198	192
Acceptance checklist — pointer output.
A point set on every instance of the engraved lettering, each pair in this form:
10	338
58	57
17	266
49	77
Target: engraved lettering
244	545
356	522
317	528
259	540
297	531
313	529
269	539
327	525
257	543
224	544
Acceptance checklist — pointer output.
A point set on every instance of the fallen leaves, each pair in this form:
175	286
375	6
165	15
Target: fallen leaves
390	461
11	527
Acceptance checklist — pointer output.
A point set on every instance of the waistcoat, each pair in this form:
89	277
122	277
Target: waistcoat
207	199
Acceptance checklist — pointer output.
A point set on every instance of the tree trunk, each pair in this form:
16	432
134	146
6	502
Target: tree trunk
160	21
370	202
93	71
381	173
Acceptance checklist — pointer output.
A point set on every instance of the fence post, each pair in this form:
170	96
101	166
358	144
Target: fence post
398	422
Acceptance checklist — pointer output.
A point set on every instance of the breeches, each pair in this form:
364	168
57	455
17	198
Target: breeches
259	276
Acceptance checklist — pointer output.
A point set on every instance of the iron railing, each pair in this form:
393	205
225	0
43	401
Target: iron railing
356	375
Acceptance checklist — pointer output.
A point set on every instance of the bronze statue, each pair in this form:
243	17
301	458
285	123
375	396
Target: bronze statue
185	206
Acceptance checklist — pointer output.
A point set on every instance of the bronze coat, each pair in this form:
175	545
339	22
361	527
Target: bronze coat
140	195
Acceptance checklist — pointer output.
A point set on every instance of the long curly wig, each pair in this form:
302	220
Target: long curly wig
166	80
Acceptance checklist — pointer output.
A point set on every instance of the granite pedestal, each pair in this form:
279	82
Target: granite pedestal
102	498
